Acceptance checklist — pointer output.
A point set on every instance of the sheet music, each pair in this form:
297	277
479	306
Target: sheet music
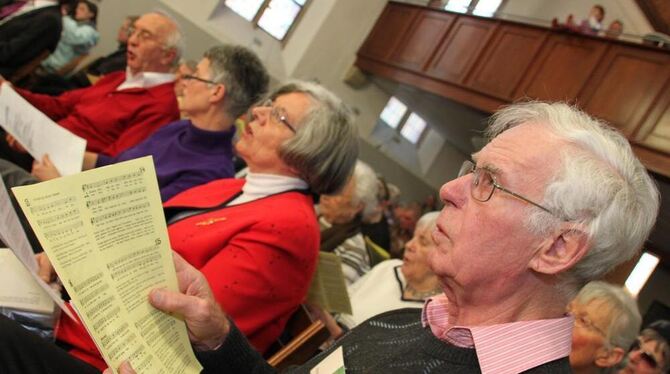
104	231
328	288
38	134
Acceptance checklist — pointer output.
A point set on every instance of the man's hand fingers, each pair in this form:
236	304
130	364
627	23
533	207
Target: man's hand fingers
44	268
125	368
175	302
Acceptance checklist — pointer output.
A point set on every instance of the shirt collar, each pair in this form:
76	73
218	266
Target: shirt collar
259	185
504	348
145	79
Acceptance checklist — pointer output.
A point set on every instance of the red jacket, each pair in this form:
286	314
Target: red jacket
110	121
258	257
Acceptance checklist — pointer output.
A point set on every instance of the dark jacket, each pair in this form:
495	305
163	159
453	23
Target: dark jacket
25	37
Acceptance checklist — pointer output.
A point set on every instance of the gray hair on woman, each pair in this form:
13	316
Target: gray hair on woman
365	190
428	220
241	72
602	188
619	307
325	146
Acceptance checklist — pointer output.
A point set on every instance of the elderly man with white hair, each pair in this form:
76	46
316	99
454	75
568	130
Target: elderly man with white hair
122	108
553	201
341	216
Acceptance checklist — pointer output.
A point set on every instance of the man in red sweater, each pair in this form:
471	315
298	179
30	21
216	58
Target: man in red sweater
122	108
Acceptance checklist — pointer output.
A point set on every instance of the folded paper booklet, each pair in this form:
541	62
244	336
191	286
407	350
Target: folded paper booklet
39	134
329	289
25	293
12	234
105	234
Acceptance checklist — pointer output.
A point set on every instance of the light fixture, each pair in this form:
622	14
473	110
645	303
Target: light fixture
641	272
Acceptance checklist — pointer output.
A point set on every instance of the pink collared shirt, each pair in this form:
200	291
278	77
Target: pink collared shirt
505	348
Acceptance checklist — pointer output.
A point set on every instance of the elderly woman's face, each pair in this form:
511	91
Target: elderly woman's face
262	138
589	336
415	258
339	209
645	357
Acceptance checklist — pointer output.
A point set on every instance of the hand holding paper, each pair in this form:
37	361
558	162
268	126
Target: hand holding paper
45	170
105	235
207	324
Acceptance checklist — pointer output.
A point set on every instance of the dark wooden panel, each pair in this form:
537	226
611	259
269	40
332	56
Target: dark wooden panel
422	39
390	28
562	68
655	131
460	49
506	60
454	92
625	86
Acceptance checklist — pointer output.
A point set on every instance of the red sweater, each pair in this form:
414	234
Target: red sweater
258	257
110	121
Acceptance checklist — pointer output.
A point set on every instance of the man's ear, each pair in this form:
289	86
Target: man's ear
169	56
219	93
562	250
608	358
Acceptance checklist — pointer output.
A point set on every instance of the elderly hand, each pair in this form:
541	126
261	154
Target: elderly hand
124	368
45	270
11	141
45	170
207	325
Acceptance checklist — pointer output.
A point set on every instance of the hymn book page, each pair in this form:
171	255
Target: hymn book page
104	231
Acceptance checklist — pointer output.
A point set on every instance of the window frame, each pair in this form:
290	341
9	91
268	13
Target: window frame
403	121
473	4
259	14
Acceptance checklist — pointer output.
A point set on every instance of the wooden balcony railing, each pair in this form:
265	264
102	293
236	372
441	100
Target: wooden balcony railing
485	63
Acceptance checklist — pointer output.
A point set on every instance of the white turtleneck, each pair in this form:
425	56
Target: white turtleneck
260	185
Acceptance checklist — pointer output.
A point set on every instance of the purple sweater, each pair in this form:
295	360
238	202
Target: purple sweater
184	156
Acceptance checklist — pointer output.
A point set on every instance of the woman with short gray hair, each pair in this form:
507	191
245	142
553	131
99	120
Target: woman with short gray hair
606	324
256	240
324	149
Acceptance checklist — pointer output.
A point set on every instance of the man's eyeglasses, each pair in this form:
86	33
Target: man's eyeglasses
647	357
278	114
484	184
142	35
193	77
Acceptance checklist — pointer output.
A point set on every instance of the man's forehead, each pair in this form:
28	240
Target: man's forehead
528	144
154	22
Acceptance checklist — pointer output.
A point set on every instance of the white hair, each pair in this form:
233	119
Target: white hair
601	186
175	39
428	220
366	186
619	306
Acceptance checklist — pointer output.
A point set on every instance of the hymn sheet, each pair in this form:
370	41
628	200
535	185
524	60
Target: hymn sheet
104	231
39	134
